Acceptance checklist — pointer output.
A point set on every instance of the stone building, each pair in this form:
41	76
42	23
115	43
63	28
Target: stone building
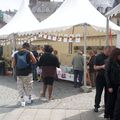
43	8
104	6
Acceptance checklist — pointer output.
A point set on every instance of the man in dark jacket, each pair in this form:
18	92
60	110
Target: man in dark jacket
99	66
113	85
48	62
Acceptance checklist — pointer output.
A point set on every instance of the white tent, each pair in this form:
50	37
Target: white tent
114	11
23	21
75	12
72	13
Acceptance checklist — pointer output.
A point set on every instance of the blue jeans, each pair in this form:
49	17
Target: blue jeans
78	75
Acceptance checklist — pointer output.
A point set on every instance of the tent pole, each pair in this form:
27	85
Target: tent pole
107	31
85	45
14	49
85	88
14	42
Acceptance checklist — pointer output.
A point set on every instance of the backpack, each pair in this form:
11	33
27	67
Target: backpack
22	62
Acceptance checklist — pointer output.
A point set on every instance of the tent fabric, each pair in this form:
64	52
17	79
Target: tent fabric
114	11
75	12
23	21
69	14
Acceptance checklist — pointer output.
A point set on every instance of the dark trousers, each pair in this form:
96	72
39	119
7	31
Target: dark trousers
78	75
110	105
34	71
100	85
117	107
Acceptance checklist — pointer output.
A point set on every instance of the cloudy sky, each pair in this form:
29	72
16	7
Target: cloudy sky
12	4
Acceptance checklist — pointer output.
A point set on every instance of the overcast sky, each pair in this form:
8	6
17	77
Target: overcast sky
12	4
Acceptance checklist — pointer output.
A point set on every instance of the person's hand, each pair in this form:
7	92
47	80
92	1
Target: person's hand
103	66
110	90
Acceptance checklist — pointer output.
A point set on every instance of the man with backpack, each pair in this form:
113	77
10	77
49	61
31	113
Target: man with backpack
23	60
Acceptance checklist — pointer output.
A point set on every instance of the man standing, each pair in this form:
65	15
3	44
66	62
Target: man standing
91	68
22	61
48	62
78	63
99	66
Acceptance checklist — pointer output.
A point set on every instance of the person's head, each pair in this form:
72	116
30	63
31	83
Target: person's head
115	55
26	46
80	52
48	49
34	48
107	50
91	53
95	52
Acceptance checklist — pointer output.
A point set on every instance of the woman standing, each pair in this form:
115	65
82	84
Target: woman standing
113	83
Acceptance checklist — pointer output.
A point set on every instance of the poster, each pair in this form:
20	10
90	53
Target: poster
65	73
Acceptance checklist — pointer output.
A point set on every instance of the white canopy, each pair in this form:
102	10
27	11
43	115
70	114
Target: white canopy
70	13
75	12
114	11
23	21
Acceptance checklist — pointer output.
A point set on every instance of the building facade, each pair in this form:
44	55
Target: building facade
43	8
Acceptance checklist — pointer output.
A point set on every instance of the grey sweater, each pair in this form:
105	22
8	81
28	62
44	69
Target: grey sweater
78	62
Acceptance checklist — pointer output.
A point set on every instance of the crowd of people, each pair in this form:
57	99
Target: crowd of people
103	74
102	71
107	66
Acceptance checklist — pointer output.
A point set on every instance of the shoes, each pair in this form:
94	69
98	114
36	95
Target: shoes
44	99
106	119
95	109
22	102
52	98
75	86
29	101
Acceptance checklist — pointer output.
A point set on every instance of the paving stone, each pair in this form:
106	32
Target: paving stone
70	103
57	114
14	114
43	114
28	114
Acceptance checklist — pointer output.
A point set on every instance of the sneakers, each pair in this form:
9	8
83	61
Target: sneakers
22	102
29	101
95	109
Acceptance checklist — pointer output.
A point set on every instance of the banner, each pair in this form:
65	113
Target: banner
65	73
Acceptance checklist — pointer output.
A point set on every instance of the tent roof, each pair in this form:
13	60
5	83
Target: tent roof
21	22
114	11
75	12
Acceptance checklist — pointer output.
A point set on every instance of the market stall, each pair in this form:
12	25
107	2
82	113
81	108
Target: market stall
70	14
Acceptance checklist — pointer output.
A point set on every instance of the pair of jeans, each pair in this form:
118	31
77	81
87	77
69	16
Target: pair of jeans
78	75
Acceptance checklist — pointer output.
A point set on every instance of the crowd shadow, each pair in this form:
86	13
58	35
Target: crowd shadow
62	89
86	115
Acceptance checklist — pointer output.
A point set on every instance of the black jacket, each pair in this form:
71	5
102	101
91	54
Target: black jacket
112	73
48	59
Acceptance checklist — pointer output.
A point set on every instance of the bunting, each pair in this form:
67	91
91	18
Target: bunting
54	37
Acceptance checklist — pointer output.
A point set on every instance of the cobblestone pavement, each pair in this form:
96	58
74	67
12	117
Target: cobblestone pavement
69	103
